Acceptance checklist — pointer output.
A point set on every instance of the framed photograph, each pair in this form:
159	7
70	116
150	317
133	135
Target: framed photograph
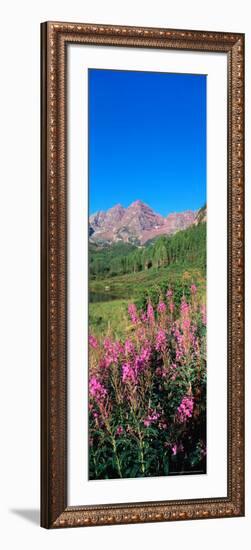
142	300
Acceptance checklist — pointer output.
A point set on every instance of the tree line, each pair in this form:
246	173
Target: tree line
184	247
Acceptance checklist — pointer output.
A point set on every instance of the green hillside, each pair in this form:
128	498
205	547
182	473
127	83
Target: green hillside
122	273
188	246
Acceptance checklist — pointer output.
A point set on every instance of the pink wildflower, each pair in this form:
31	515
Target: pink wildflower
143	317
150	313
132	311
184	308
145	352
193	289
185	409
107	343
204	314
112	351
128	374
152	417
169	296
93	342
174	449
147	423
161	307
177	448
173	366
96	388
119	430
105	362
186	323
160	340
141	360
118	349
129	347
180	350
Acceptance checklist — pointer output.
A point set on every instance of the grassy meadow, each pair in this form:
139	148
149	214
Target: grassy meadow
110	314
147	357
121	274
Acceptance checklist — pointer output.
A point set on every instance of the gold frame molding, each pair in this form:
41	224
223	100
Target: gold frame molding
55	36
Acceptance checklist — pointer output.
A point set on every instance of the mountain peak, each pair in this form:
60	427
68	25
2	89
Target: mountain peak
116	207
136	224
138	203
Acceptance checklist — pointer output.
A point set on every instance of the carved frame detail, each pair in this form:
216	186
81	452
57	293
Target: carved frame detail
54	40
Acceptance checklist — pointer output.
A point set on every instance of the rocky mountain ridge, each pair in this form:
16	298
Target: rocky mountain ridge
136	224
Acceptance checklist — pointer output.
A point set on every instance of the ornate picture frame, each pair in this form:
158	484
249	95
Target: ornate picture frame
55	39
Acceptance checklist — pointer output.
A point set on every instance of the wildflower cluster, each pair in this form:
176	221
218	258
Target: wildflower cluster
147	393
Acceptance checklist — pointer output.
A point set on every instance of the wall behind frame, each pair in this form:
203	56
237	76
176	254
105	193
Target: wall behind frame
20	268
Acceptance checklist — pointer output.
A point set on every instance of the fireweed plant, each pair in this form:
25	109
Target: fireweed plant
147	394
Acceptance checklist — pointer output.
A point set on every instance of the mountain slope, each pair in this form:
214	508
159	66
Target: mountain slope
136	224
185	247
201	216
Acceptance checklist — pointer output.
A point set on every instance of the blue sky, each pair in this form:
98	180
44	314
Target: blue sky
147	140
